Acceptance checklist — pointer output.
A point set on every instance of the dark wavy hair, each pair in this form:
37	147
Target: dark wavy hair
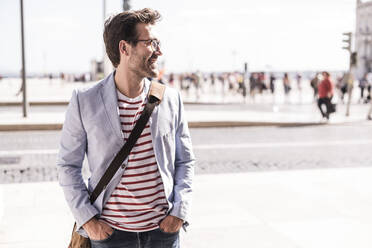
123	27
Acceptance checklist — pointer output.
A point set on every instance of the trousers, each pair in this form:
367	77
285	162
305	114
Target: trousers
151	239
326	101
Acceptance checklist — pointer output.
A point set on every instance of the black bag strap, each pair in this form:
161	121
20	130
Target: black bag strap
154	97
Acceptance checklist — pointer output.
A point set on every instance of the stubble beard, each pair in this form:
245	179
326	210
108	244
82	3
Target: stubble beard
144	68
150	69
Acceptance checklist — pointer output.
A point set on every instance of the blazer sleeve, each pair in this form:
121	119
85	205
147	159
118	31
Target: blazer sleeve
70	160
184	167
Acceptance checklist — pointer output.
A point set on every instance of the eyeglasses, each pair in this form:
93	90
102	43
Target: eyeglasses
155	44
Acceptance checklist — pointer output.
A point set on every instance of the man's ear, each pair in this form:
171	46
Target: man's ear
123	47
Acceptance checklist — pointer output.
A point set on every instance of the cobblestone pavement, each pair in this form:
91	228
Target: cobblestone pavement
31	156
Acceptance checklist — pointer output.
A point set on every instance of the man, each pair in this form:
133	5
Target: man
147	201
314	84
272	83
369	98
325	91
363	83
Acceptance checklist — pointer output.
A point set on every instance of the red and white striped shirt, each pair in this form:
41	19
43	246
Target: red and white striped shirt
138	203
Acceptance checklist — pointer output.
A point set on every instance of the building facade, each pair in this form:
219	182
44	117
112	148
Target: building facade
363	37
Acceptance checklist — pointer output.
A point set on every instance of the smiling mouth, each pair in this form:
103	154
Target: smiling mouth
153	60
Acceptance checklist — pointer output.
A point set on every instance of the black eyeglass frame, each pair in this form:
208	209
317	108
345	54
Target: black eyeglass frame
155	43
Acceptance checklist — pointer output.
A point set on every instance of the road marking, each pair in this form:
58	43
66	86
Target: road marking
219	146
284	144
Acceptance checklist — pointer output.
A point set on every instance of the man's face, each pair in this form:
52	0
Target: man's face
143	59
325	75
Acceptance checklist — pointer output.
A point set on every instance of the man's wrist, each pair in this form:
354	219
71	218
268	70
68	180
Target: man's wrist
90	224
177	218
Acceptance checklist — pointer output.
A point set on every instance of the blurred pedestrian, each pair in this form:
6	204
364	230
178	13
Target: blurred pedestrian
299	81
369	97
161	161
252	84
299	86
362	85
287	86
369	87
349	80
369	114
261	82
222	79
213	82
341	87
50	76
314	85
181	79
231	80
213	79
325	91
171	80
198	82
242	87
272	83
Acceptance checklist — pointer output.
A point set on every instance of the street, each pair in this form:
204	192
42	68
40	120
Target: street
279	113
31	156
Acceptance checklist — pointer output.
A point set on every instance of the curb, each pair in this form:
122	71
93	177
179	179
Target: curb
63	103
212	103
192	124
30	127
216	124
38	103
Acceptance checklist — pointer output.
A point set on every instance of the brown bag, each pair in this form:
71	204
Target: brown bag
155	96
78	241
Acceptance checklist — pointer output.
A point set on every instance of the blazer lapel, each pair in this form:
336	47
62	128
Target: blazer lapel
110	102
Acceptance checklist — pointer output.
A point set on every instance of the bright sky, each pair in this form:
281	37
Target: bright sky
209	35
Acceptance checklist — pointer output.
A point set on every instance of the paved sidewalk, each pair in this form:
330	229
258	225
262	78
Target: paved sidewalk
56	92
48	93
300	209
10	121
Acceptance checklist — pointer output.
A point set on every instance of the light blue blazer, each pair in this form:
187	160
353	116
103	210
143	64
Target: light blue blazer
92	128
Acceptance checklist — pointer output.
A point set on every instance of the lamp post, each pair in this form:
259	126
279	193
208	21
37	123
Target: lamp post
103	24
347	40
126	5
23	71
106	64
